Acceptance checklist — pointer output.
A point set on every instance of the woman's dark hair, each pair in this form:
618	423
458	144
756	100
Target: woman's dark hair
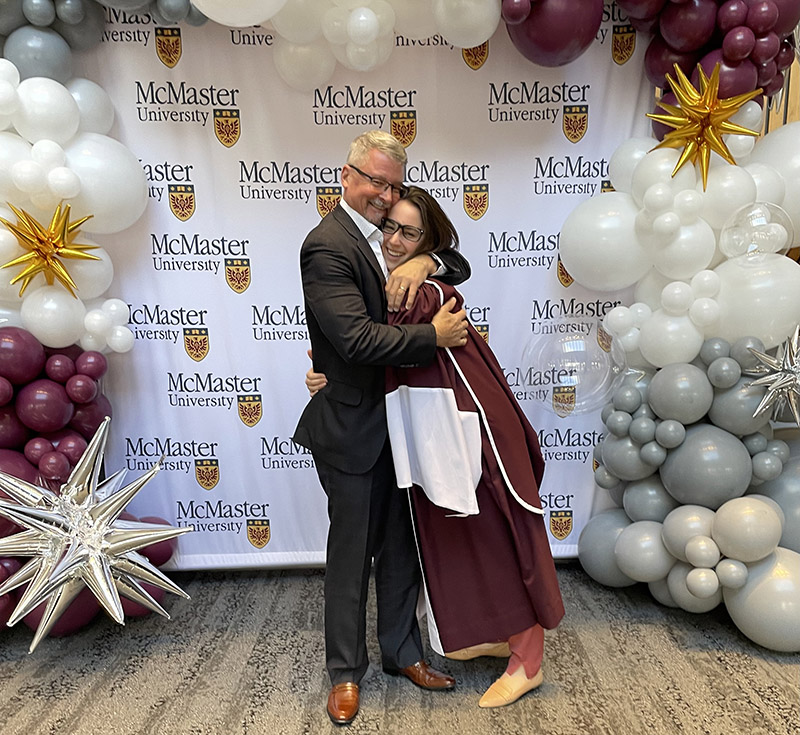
440	234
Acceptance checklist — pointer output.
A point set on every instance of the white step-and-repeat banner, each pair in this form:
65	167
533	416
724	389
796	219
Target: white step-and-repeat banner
241	167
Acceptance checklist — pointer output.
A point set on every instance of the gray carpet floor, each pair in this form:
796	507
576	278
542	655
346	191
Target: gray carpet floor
245	655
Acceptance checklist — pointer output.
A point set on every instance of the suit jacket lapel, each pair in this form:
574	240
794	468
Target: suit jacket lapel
361	242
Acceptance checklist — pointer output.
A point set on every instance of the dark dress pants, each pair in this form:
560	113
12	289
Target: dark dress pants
369	518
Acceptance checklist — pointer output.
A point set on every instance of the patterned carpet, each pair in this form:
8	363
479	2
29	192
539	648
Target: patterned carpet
245	655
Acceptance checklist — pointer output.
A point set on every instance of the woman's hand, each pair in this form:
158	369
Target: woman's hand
315	382
404	281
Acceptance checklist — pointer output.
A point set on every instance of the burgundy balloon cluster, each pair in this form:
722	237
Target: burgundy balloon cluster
748	38
552	32
50	406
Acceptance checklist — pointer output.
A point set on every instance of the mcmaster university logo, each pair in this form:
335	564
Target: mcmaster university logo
327	199
196	342
181	200
168	46
476	56
560	523
476	200
227	126
249	408
206	472
258	532
575	122
403	126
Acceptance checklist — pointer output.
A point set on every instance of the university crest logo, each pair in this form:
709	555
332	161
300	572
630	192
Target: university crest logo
603	339
403	126
196	342
181	200
227	126
476	56
249	408
168	46
623	43
575	122
564	278
237	274
258	532
606	186
206	472
483	330
560	523
476	200
327	199
563	400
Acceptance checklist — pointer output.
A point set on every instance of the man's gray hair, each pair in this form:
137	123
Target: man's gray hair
375	140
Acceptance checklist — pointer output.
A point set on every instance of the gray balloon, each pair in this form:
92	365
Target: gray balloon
713	349
680	391
740	351
39	12
780	449
618	423
195	17
644	412
733	409
709	468
653	454
627	398
603	478
71	11
642	430
39	52
755	443
621	458
724	372
670	433
596	548
785	491
173	10
11	16
648	500
88	32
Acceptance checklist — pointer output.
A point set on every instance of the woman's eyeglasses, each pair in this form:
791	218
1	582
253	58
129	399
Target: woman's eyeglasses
380	184
409	232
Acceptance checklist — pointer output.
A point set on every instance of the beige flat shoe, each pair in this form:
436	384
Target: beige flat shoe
509	688
500	650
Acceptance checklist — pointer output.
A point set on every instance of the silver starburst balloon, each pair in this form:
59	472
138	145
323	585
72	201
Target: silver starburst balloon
781	375
75	540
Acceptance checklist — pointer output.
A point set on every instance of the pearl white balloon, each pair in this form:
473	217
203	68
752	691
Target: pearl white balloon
678	588
113	183
118	311
688	252
702	583
731	573
48	153
705	284
46	110
239	13
29	177
303	67
729	188
92	342
120	339
386	17
95	106
624	159
97	321
53	316
770	185
92	277
362	26
660	591
749	115
704	313
300	21
740	146
767	607
683	524
658	198
656	167
63	183
702	551
746	529
414	18
676	298
362	58
334	25
9	73
688	205
666	338
466	23
640	552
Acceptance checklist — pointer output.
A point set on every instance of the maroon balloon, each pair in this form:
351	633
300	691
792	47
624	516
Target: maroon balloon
788	17
660	60
775	85
7	604
54	466
159	553
89	416
785	57
765	49
731	14
557	31
6	391
36	447
13	433
638	9
738	43
14	463
645	25
11	565
659	129
762	16
80	613
21	355
515	11
81	388
733	78
44	405
73	447
93	364
134	609
59	368
71	352
688	27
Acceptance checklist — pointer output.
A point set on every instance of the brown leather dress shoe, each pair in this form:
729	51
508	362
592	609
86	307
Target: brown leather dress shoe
425	677
343	703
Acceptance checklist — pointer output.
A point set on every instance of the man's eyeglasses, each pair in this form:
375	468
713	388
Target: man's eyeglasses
380	184
409	232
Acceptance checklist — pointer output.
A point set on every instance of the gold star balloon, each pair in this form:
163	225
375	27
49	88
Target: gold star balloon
781	375
47	246
701	119
75	540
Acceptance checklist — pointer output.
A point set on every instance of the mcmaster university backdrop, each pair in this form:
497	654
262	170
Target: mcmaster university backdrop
241	167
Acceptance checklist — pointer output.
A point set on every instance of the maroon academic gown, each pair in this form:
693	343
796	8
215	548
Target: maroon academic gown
488	575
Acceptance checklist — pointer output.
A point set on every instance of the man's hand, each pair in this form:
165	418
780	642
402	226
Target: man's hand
315	382
406	279
451	327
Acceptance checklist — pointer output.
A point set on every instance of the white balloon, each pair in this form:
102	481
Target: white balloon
300	21
740	146
53	316
624	159
658	198
702	551
599	246
120	339
749	115
9	73
48	153
676	297
386	16
758	297
656	168
648	290
92	277
93	342
704	313
618	321
12	149
705	283
729	188
113	183
687	205
96	107
466	23
666	338
118	311
303	67
676	581
9	99
28	176
362	58
239	13
46	110
702	583
362	26
10	249
746	529
414	18
334	25
63	183
731	573
97	322
690	251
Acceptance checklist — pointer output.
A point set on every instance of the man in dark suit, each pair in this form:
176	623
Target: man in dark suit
344	425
